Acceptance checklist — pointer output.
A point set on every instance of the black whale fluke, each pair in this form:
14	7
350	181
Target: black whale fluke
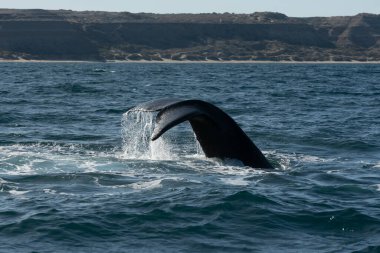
218	134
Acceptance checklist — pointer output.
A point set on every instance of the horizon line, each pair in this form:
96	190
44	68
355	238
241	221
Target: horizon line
179	13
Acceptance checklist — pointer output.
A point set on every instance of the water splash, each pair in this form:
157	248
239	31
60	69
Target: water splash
137	129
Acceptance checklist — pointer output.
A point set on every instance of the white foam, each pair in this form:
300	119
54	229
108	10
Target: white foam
237	170
147	185
313	159
284	160
24	169
291	160
2	181
88	166
50	191
52	158
17	193
235	181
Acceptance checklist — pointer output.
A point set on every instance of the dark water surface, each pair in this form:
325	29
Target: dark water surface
68	184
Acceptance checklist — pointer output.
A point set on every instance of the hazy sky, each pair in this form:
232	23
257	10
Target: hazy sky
296	8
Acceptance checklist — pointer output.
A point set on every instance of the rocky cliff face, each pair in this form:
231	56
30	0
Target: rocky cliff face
46	40
68	35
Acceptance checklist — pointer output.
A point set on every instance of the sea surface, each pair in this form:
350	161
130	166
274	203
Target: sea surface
77	174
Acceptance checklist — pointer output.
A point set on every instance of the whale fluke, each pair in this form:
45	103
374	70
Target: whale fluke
218	134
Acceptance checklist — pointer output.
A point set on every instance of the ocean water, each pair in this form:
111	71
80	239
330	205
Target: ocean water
77	174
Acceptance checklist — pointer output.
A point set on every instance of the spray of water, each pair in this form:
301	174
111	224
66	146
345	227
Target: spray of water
137	129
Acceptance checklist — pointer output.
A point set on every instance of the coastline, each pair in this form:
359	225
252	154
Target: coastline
167	61
35	35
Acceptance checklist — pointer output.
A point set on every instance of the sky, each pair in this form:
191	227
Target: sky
293	8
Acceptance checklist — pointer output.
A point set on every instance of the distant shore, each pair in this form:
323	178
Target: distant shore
188	61
123	37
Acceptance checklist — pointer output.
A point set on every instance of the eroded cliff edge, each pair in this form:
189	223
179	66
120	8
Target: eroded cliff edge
70	35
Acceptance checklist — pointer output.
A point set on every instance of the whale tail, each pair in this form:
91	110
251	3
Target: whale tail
218	134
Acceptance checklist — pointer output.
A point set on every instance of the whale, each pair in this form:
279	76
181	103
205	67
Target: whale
217	133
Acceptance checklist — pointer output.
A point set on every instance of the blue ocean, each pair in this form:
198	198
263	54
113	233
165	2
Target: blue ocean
78	174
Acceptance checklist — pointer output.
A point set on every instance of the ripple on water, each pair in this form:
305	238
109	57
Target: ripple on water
73	178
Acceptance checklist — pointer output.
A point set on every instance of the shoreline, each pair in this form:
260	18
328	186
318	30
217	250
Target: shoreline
188	61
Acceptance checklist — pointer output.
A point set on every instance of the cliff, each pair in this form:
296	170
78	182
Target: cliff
69	35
